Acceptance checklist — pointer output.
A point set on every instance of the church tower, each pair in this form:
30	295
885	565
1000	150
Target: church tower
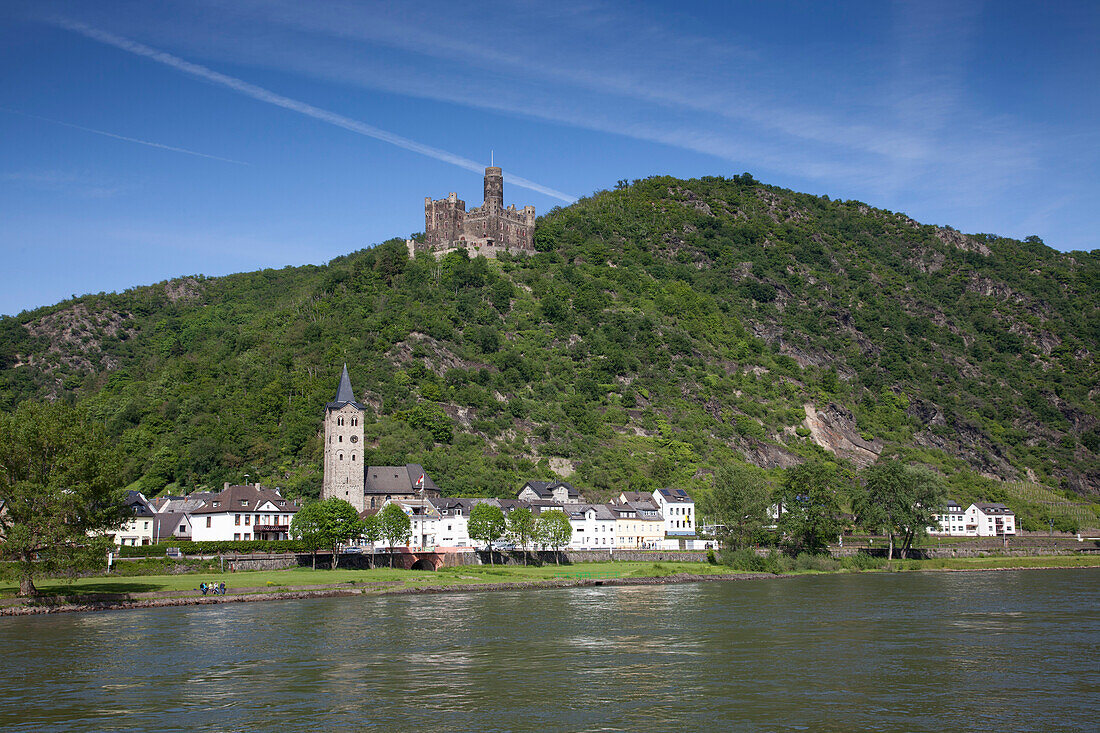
344	474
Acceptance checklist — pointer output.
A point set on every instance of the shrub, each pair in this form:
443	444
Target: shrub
861	561
820	563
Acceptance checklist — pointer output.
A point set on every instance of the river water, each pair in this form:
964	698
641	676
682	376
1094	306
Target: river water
986	651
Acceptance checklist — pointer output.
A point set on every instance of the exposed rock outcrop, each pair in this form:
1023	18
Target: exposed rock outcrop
834	429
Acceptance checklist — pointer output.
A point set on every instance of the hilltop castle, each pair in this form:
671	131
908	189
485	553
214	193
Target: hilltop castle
486	229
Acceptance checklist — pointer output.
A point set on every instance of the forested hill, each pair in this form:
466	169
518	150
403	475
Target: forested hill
663	328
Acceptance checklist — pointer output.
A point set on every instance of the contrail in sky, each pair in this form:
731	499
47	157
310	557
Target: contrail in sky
265	95
123	137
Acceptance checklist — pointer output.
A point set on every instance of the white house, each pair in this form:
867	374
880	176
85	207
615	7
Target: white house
140	523
248	512
983	519
594	527
678	510
989	520
950	520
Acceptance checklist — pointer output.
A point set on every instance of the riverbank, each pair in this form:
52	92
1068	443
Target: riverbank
100	594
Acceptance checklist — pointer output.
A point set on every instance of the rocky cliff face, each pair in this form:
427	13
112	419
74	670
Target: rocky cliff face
834	429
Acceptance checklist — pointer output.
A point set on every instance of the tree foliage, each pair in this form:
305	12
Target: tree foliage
553	530
687	320
900	499
59	490
738	504
521	527
809	501
487	525
326	524
395	527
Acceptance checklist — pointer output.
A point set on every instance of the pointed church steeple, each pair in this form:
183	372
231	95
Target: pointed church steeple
343	392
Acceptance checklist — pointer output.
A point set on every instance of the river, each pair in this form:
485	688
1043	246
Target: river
1005	651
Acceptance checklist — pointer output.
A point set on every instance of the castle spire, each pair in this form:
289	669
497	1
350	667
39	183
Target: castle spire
343	392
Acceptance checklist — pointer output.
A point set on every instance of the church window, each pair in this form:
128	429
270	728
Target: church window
340	439
353	456
354	421
340	456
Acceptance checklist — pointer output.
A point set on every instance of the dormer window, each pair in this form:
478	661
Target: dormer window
216	504
244	502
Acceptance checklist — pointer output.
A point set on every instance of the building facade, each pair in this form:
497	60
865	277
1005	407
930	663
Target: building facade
244	512
486	229
344	474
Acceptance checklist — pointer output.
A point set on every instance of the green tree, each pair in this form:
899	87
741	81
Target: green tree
396	527
521	526
326	524
372	532
487	525
810	506
554	530
59	490
902	499
738	505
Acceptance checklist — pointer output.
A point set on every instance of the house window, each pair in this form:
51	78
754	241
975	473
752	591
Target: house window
208	521
237	519
247	519
236	535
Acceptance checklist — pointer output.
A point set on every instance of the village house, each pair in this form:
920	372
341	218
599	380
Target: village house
593	525
139	526
982	519
556	491
247	512
950	521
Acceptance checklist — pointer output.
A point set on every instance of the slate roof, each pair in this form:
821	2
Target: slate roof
545	489
993	508
396	479
135	500
245	499
166	524
344	394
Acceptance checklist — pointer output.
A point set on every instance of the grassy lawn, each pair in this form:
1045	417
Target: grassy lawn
276	580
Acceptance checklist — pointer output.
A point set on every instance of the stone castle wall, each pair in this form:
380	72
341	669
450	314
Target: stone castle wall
449	226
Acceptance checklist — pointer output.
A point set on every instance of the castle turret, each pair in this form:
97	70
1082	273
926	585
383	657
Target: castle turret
344	476
494	190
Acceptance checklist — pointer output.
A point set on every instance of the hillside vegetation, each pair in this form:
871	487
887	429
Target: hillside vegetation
662	329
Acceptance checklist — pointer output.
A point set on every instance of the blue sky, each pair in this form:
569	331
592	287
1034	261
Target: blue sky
141	141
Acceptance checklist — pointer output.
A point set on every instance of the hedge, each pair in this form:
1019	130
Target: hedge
214	547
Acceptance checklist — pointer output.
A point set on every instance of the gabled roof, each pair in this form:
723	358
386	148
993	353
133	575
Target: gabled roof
245	499
546	489
344	393
396	479
136	501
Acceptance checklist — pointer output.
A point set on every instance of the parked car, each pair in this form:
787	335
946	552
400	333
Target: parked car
352	551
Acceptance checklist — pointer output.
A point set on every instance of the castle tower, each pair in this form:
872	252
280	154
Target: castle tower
494	190
344	474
